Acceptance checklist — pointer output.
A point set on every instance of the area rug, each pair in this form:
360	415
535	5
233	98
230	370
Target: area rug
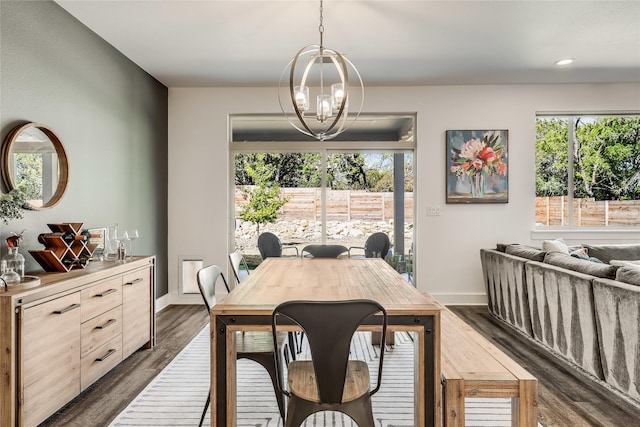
177	395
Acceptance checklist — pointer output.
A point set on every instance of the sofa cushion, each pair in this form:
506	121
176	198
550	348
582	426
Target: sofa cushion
501	247
557	245
581	265
625	263
606	253
528	252
630	275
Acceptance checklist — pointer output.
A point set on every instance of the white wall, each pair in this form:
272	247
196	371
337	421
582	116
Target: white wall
447	246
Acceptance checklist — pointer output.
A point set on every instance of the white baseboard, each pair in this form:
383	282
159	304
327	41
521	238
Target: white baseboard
461	299
162	303
174	298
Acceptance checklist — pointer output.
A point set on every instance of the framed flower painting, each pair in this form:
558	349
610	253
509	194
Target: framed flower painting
477	166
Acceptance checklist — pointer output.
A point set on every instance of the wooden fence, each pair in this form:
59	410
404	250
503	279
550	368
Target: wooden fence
342	205
553	211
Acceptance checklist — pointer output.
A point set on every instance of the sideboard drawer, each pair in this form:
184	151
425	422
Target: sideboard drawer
97	331
100	361
101	297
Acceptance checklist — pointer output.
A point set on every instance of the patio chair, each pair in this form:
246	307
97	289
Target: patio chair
253	345
376	246
330	381
324	251
270	245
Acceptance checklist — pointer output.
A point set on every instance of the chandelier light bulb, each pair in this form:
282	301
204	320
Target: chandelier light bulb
302	97
337	95
324	108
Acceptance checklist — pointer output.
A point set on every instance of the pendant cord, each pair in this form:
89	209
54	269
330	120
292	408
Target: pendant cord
321	26
321	30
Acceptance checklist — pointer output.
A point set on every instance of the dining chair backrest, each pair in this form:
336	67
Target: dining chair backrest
377	245
329	327
269	245
207	278
237	261
324	251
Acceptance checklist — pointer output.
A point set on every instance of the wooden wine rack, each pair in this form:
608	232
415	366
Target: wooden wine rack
60	255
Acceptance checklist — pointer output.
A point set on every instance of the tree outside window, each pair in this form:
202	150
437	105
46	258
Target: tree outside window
597	156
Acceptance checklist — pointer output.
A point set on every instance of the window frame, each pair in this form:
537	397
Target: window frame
324	148
570	230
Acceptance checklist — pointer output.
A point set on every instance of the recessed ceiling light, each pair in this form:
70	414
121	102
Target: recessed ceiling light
564	61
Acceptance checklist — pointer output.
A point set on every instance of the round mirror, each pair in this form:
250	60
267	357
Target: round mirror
34	161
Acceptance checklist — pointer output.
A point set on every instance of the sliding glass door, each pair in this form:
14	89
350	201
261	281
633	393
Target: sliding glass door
332	192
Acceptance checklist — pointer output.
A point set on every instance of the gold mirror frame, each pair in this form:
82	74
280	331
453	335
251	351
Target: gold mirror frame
63	167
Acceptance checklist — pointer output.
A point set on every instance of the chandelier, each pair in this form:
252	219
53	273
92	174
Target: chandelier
323	73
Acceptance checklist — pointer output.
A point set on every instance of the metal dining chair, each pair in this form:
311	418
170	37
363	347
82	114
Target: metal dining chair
324	251
329	381
376	246
270	245
253	345
237	260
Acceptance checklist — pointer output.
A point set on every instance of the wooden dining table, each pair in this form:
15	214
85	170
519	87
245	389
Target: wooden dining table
250	306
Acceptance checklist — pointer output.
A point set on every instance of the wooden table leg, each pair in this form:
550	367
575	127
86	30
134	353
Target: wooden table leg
218	372
453	403
524	410
427	369
223	374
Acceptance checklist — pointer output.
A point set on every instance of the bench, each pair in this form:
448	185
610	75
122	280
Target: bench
471	366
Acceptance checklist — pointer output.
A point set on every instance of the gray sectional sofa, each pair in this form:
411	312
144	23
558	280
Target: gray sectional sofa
584	310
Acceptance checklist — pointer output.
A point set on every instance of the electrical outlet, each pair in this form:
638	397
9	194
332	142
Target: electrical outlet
433	211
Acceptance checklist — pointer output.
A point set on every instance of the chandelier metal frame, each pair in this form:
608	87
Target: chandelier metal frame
334	105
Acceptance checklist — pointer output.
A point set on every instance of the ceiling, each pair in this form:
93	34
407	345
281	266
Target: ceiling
221	43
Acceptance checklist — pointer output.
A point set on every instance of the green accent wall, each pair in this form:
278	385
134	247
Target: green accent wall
110	115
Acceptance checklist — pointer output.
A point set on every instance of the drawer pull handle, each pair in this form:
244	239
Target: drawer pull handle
105	293
133	282
106	324
108	353
65	310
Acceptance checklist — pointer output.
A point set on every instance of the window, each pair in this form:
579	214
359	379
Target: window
588	170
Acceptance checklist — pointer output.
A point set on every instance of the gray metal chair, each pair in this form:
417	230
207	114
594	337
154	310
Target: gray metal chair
270	245
330	381
324	251
376	246
253	345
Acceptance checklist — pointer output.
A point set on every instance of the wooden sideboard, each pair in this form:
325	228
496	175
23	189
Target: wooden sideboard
59	336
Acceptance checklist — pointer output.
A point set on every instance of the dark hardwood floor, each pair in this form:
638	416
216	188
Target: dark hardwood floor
566	397
98	405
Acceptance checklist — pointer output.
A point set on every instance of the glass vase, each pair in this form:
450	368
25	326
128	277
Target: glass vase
14	262
477	185
111	243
